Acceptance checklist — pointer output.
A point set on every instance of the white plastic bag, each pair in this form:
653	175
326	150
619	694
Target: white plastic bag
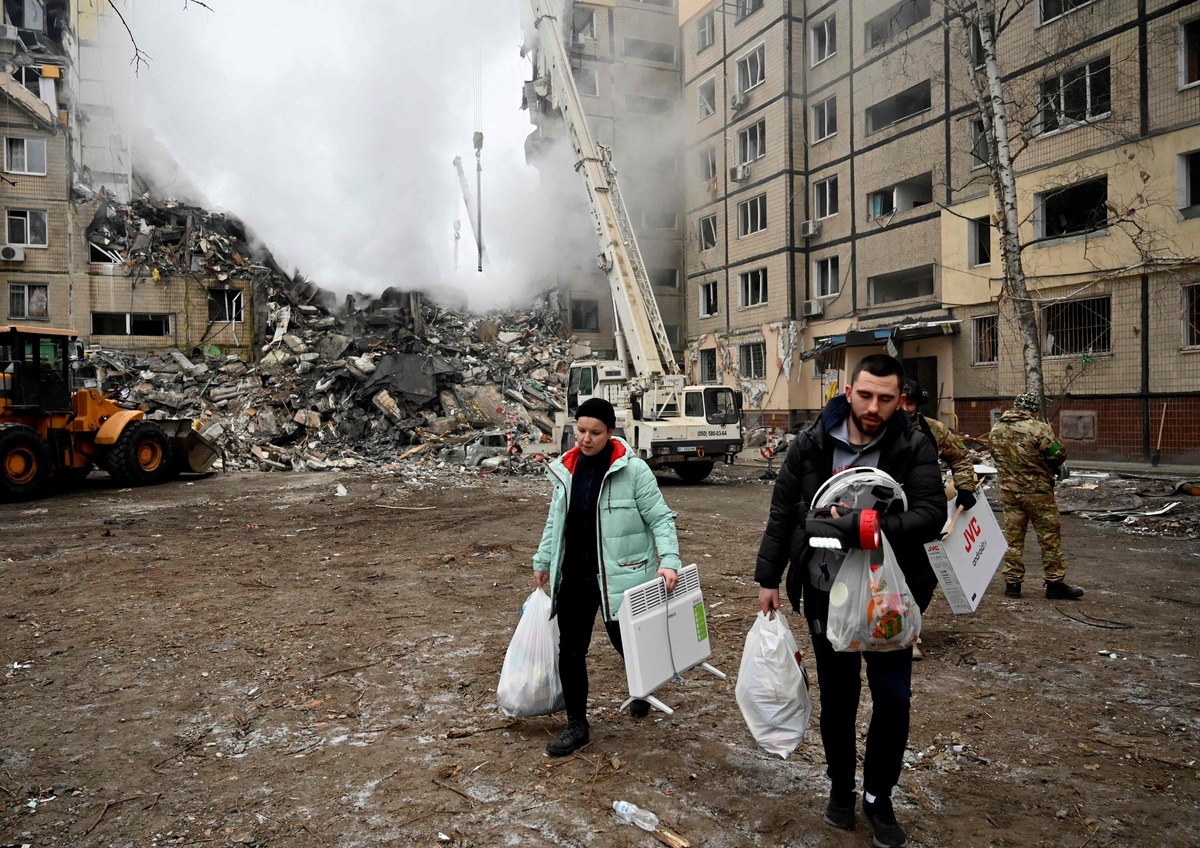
870	605
772	688
529	683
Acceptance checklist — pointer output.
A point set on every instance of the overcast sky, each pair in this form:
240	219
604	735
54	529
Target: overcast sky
329	128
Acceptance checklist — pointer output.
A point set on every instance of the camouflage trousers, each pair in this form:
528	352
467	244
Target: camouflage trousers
1042	510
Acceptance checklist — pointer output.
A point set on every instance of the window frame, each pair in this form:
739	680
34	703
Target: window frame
10	212
892	16
1047	317
595	78
1063	122
990	324
711	82
660	271
1191	323
979	137
827	28
708	164
1073	4
1042	197
752	212
707	23
746	8
167	319
757	130
707	288
827	277
648	225
748	287
25	142
748	351
25	288
759	50
869	125
825	194
708	355
233	299
1189	184
825	112
625	54
581	302
979	231
700	223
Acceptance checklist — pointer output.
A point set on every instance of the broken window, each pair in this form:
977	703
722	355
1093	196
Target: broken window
708	299
708	97
650	51
1078	327
1052	9
641	105
1074	210
825	197
753	286
708	232
1077	96
660	220
746	8
752	215
585	314
979	232
96	253
29	301
824	119
912	101
27	227
902	197
901	285
708	365
708	164
1190	54
896	20
752	360
706	32
587	81
987	351
27	14
665	278
979	145
824	40
1189	181
751	69
130	324
752	142
828	281
584	22
1191	315
25	156
225	305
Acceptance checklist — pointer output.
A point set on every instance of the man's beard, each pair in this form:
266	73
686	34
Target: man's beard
865	429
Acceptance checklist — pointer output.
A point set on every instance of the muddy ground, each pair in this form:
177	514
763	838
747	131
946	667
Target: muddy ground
254	660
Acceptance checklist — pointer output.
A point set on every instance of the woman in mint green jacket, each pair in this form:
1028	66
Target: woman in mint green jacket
608	530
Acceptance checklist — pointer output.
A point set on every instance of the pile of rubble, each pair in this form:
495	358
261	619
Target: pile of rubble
337	383
1142	505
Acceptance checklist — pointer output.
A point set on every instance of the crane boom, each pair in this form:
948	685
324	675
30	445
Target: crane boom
645	336
476	231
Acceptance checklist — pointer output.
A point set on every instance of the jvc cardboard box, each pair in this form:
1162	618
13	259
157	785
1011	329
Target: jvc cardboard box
968	555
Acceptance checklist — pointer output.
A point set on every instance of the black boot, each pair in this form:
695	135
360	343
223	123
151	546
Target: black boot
839	812
570	739
1059	590
887	831
1012	589
639	708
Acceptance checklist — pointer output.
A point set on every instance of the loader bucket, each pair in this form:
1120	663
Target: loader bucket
192	452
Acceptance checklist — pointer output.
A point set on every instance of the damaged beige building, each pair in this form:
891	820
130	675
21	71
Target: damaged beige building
76	252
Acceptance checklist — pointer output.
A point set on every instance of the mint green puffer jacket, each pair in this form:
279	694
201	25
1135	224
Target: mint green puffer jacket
634	526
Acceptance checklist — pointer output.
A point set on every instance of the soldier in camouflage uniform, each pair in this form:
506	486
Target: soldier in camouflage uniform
950	447
1028	456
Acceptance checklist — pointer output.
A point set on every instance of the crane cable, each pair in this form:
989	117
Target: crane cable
477	90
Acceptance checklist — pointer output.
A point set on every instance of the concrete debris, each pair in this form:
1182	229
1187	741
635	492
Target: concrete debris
362	382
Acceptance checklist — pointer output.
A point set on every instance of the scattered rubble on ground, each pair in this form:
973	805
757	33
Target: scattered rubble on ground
1143	505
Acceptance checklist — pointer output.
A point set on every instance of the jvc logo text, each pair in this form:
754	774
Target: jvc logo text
972	533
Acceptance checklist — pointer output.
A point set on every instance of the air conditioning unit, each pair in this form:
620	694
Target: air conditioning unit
808	229
9	33
813	308
12	253
738	100
739	173
664	634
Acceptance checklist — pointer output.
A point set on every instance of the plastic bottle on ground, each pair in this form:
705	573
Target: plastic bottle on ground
634	814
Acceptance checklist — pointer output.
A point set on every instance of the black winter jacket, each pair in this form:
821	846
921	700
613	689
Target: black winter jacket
905	453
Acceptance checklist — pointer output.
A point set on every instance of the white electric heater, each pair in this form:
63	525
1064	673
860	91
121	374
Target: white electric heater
663	634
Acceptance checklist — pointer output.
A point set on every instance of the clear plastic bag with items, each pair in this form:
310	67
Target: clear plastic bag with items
870	605
529	682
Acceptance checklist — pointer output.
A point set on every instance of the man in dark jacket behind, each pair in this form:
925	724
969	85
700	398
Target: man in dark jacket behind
863	428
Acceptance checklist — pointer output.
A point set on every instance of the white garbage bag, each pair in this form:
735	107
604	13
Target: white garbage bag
772	688
529	682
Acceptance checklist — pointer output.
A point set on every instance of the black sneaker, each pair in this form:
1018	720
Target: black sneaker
1012	590
1059	590
639	708
840	810
888	832
570	739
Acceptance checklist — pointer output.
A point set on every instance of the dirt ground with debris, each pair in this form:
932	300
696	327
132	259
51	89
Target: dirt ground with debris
251	659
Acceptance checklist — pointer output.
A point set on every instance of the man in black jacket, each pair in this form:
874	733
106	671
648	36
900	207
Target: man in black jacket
863	428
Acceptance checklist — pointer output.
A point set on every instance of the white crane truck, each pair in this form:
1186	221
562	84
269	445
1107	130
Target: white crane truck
669	423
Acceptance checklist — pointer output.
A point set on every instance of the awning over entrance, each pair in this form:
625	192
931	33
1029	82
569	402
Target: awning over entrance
892	333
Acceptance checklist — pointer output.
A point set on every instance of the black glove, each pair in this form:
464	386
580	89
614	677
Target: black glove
852	528
965	499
